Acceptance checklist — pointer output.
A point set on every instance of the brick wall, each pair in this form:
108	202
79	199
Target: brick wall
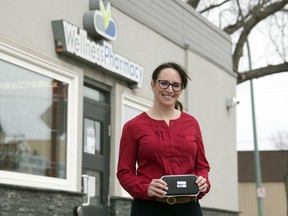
18	201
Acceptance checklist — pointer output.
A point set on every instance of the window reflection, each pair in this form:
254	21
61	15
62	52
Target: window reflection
33	121
92	137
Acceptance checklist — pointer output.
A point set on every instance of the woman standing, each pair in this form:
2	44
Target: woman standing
163	141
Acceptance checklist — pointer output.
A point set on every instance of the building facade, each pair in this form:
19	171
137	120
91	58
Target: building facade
73	72
274	181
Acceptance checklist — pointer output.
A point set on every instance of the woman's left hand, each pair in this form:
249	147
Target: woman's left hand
202	184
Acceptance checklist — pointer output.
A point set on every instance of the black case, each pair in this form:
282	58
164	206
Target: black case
181	185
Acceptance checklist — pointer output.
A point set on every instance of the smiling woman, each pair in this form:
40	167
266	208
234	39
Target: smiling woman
163	141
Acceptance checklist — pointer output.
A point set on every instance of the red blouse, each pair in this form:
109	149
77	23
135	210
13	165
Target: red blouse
159	150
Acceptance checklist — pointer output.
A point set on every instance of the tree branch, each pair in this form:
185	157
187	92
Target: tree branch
260	72
254	19
256	14
213	6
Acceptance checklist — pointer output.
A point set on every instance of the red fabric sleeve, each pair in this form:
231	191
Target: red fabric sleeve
202	166
126	173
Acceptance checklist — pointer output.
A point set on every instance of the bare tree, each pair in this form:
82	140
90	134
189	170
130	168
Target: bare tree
226	14
280	139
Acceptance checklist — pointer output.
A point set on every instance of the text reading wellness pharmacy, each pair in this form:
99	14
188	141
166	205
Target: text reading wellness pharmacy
76	42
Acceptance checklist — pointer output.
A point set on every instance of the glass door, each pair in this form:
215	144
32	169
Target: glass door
96	150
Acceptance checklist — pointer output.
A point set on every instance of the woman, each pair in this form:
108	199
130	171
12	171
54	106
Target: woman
162	141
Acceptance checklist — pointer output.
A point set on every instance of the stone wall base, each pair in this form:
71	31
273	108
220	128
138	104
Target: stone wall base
23	201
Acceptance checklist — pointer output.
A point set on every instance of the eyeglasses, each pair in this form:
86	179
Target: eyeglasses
164	84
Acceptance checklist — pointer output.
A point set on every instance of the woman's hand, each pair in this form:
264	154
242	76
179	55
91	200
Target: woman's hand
157	188
202	184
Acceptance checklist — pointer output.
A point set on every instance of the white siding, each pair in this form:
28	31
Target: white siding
181	24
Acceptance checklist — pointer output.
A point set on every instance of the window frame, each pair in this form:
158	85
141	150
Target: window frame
72	182
136	102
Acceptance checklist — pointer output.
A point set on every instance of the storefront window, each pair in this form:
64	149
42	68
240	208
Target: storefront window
33	122
133	106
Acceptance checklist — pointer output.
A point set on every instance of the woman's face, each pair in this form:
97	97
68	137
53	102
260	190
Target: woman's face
167	96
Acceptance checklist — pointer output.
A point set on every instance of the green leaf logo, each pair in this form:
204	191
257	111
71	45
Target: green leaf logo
106	13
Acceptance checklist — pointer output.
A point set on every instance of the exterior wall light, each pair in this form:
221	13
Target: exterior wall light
231	102
59	45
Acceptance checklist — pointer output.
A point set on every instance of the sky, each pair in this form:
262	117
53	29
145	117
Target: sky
270	97
271	108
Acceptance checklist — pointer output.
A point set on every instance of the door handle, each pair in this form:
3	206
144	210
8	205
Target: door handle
86	189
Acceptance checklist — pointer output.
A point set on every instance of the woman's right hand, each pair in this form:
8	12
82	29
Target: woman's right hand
157	188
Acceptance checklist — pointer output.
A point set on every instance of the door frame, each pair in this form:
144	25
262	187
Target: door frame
103	160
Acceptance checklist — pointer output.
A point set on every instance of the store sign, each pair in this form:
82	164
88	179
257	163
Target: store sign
72	40
99	22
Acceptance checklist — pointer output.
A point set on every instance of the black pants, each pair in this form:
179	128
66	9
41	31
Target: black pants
154	208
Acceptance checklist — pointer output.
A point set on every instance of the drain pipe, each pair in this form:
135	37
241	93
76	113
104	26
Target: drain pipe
188	90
